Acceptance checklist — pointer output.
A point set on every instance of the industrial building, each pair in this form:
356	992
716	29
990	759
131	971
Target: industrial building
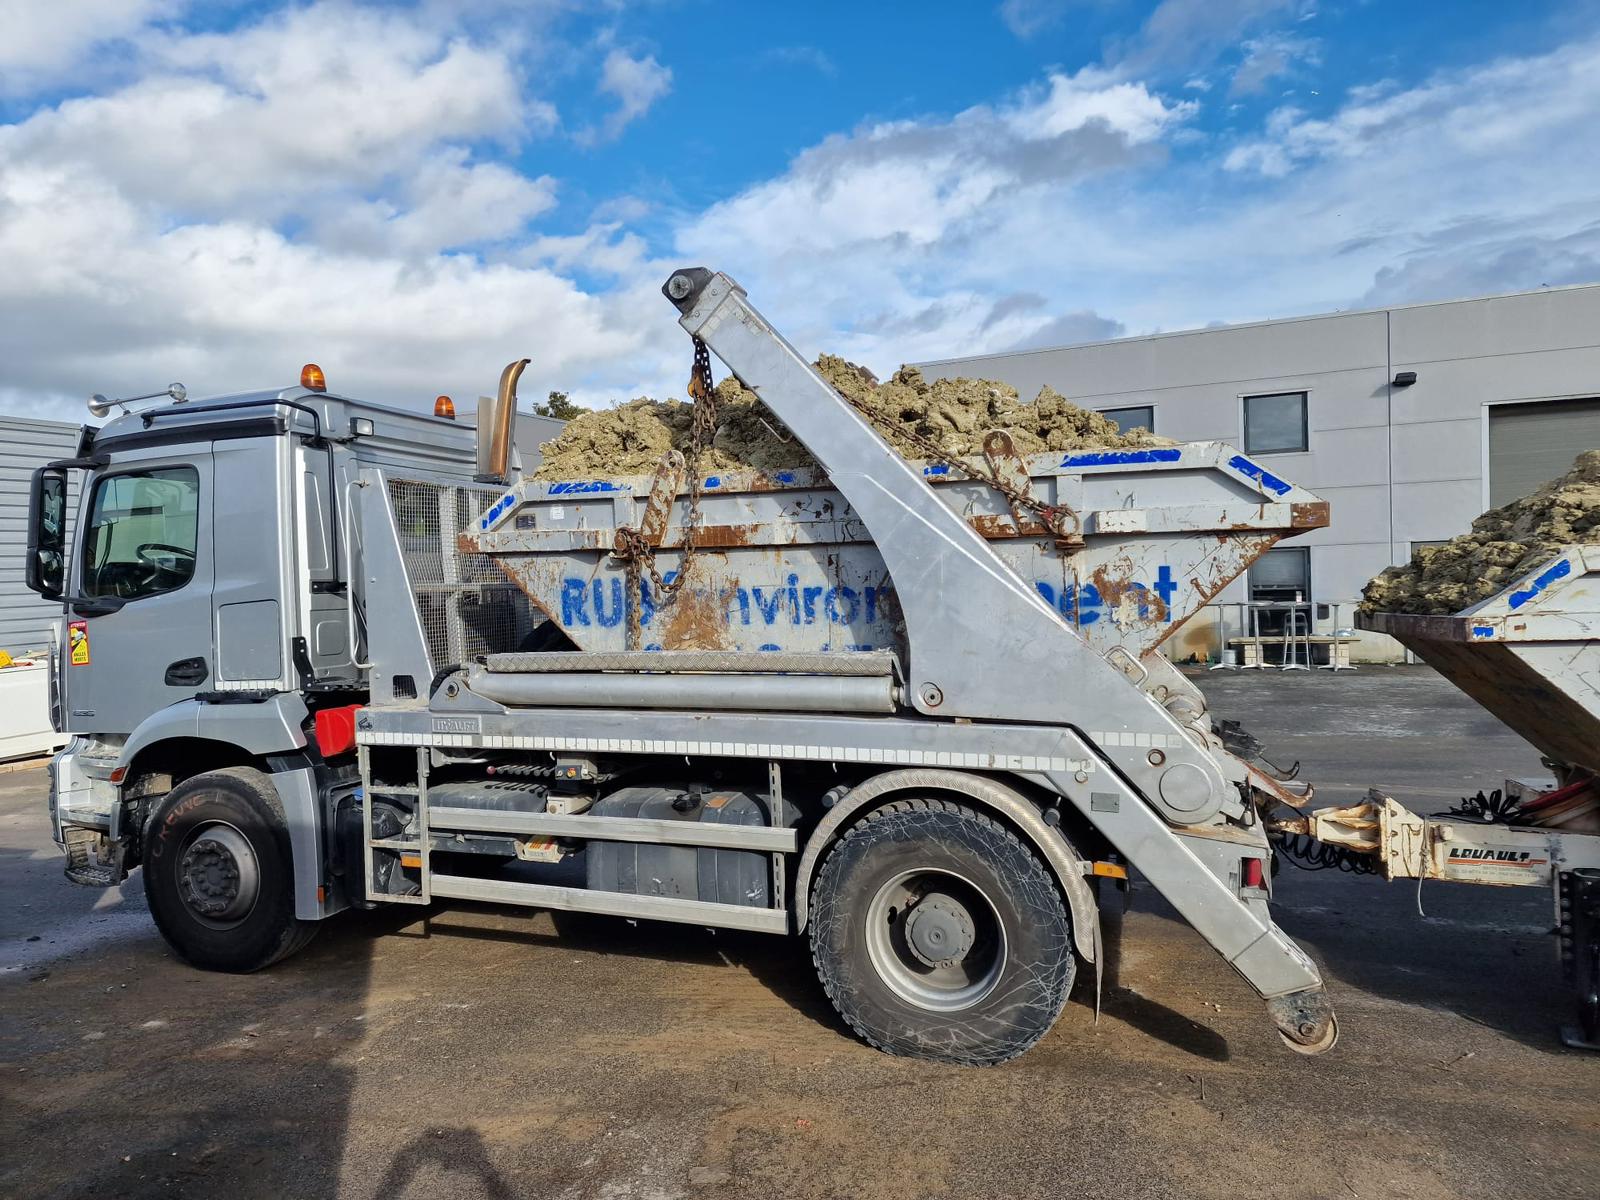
1410	421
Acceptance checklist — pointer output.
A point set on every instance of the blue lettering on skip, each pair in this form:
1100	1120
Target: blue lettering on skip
1082	604
1119	458
603	602
1259	473
1544	579
614	617
497	510
574	609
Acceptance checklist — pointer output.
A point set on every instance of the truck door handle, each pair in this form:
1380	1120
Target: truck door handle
186	672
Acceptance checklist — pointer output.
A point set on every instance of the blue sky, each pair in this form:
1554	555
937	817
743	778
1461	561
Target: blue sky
415	193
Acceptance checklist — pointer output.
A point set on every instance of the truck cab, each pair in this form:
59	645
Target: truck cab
215	584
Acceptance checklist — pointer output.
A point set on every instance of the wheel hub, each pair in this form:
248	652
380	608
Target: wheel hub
939	931
935	939
218	875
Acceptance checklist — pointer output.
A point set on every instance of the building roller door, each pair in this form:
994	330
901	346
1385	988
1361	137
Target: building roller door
1531	444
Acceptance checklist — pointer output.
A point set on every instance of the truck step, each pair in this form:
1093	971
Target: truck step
84	867
94	875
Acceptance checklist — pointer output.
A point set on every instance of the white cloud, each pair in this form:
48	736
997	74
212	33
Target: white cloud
103	297
320	100
1026	18
882	242
1269	56
42	41
635	84
446	203
1073	102
1502	108
296	189
812	57
1184	34
1070	329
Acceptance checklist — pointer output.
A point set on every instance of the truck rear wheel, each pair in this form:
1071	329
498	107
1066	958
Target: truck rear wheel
218	872
937	934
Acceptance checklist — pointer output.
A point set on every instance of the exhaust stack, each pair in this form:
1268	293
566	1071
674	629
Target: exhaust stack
496	419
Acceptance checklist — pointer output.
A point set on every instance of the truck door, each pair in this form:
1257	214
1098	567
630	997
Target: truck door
144	554
253	596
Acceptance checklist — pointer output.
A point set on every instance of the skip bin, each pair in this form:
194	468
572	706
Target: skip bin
1528	654
784	564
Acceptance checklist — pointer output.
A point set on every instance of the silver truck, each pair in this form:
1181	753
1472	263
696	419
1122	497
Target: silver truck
318	654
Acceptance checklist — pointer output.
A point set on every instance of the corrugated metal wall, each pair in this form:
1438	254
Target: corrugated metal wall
25	444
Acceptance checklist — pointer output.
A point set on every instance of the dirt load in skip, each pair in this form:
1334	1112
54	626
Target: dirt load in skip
955	413
1503	545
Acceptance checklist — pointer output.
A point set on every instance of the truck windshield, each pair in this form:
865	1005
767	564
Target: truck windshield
142	531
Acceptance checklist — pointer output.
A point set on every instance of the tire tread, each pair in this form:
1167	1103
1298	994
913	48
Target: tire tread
827	970
294	934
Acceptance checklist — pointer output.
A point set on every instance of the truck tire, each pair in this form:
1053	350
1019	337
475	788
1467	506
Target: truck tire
219	873
937	934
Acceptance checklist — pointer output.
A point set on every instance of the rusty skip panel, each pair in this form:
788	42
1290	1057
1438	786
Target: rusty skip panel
784	564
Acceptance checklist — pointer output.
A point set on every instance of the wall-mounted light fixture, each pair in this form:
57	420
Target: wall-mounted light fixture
1404	378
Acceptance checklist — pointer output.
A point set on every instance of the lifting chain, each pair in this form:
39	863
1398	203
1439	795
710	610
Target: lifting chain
632	546
1055	518
639	555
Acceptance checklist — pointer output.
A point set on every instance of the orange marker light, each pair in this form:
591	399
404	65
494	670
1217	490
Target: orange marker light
312	378
444	407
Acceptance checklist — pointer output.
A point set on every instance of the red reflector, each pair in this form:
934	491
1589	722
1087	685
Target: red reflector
1250	872
336	730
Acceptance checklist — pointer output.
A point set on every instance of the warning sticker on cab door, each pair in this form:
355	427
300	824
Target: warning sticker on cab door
78	643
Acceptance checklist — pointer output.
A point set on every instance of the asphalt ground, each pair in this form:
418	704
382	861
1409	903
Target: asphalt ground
494	1053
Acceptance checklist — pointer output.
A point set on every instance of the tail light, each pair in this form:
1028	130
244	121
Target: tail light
336	730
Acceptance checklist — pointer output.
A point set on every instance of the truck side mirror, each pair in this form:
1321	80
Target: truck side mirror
45	569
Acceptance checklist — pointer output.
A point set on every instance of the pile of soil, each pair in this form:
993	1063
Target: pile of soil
1505	544
955	413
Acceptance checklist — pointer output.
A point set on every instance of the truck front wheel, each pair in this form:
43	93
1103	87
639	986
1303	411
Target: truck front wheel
937	934
218	872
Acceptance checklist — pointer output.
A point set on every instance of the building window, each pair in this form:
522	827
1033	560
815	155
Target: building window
1128	419
1280	598
1281	576
1275	423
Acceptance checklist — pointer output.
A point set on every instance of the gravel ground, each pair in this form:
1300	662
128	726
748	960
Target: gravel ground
491	1053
